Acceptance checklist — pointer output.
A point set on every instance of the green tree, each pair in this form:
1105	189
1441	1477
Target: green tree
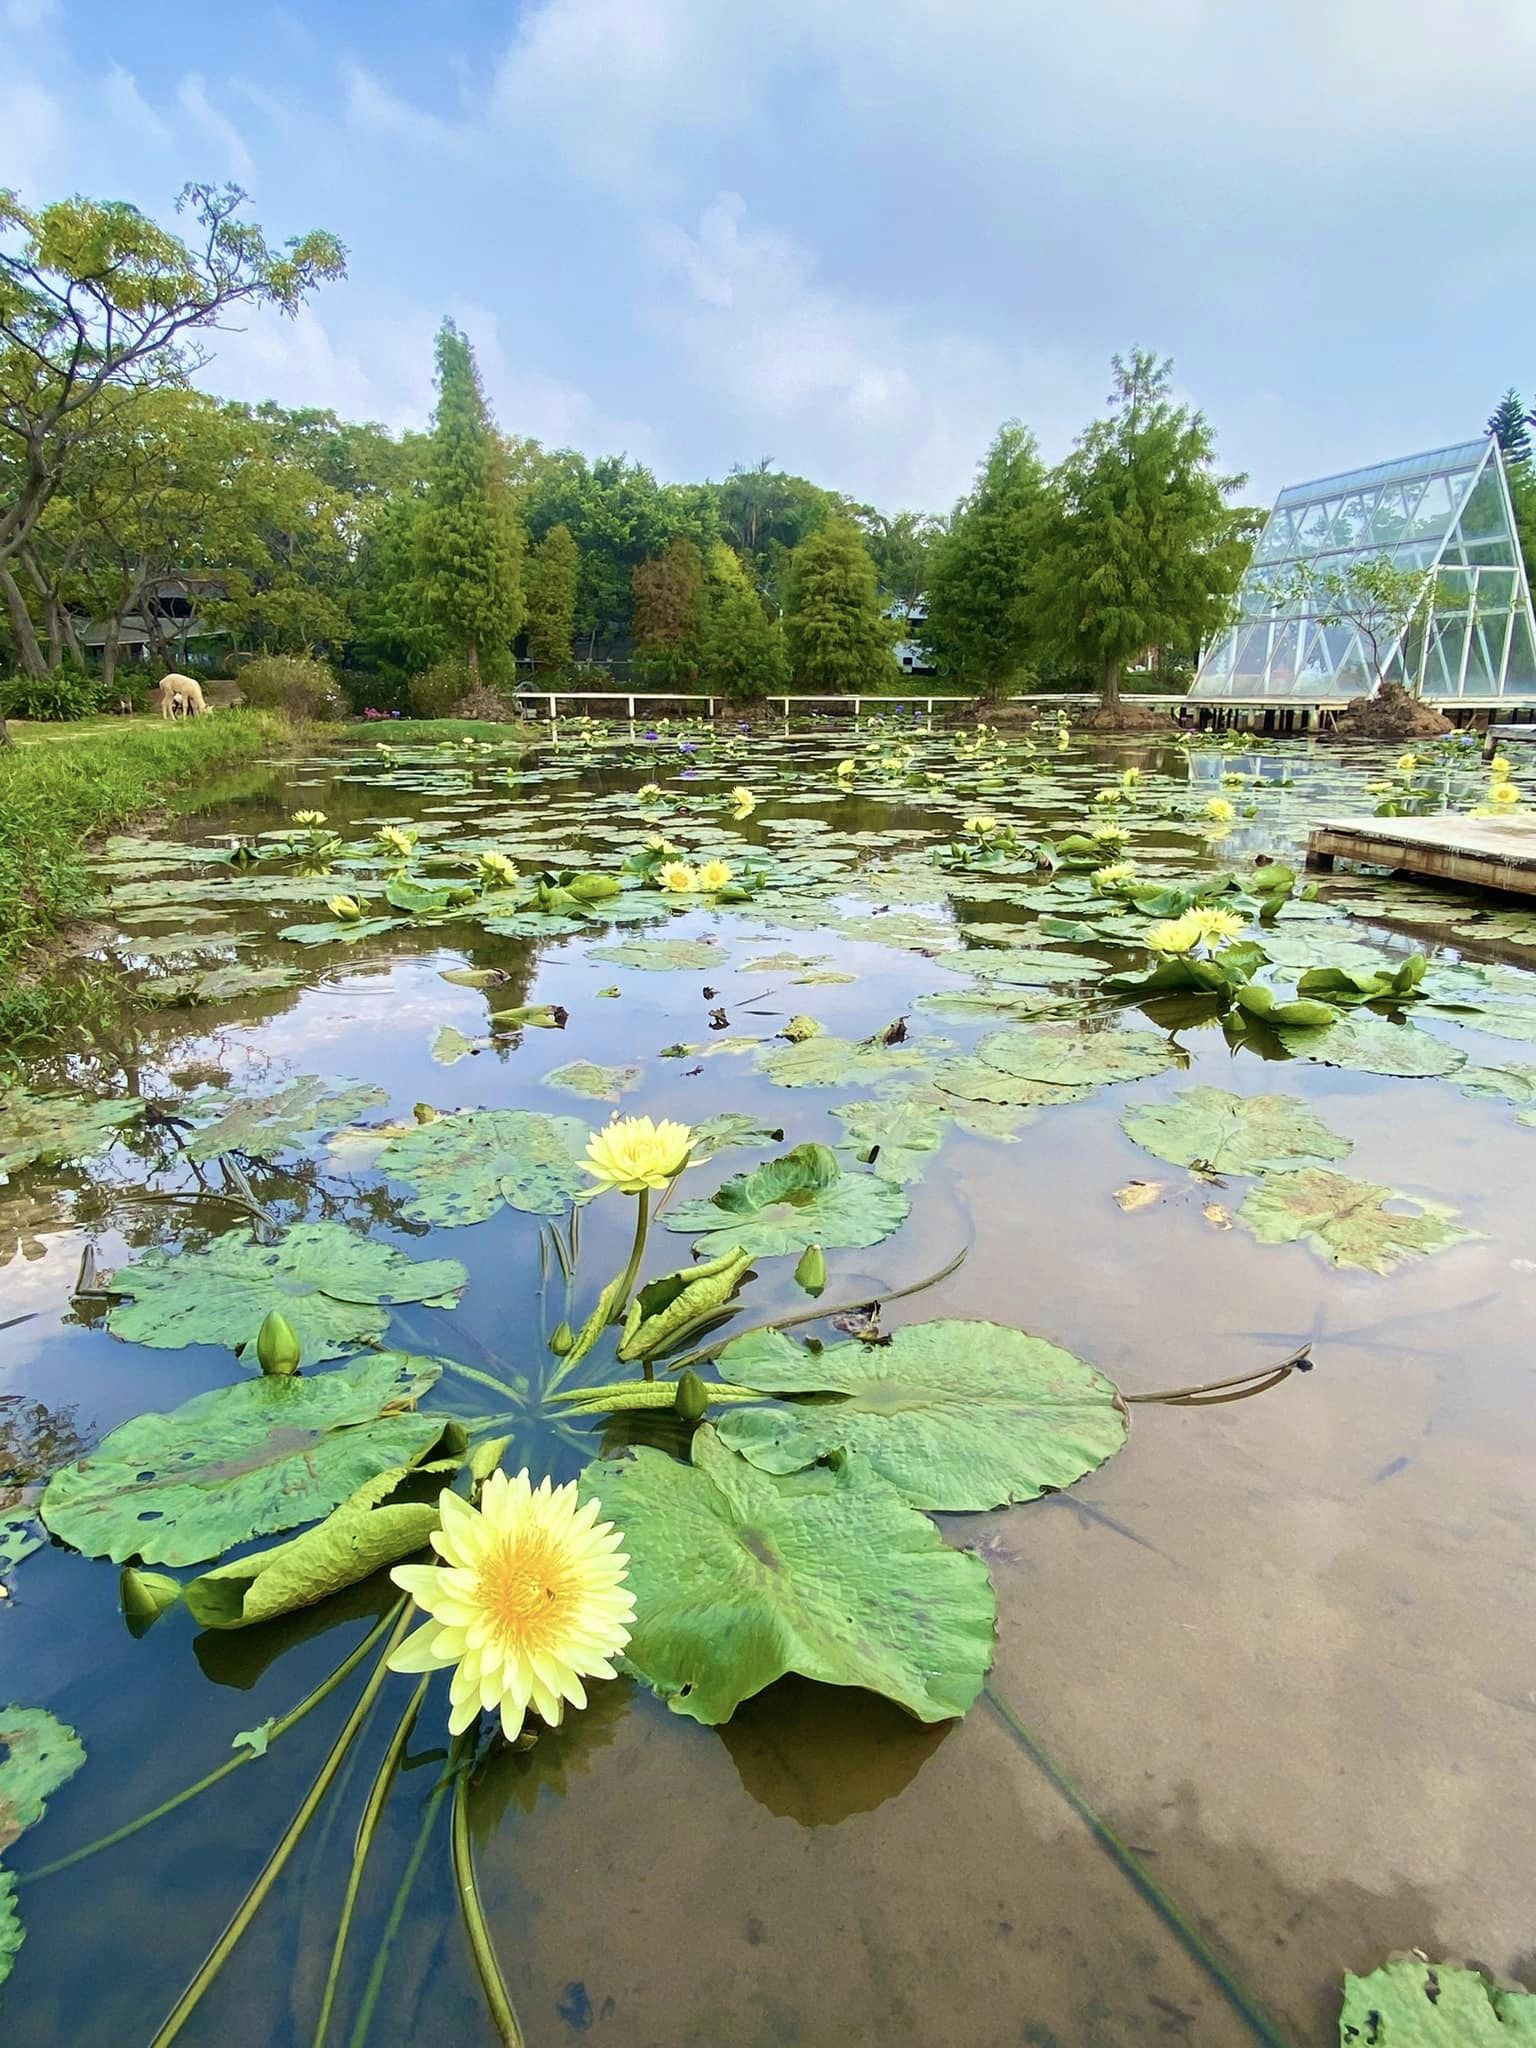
393	639
902	546
742	648
978	626
1370	593
97	302
469	545
670	614
835	636
619	517
1137	546
554	578
1509	424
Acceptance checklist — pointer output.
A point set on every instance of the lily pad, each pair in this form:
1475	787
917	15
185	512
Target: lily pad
1344	1220
895	1139
50	1130
1075	1057
1411	2004
660	955
1221	1133
450	1045
338	931
976	1080
598	1084
248	1460
954	1414
38	1754
829	1062
216	985
334	1286
1374	1046
466	1165
800	1199
268	1124
730	1131
740	1577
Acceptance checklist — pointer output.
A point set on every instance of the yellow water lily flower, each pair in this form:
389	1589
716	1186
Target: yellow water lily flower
714	874
1174	935
1499	768
979	827
632	1153
1112	795
1503	793
657	844
309	818
345	909
743	802
846	769
677	876
1406	763
1063	741
1216	926
496	867
529	1600
1129	777
1108	835
1220	809
395	840
648	793
1117	872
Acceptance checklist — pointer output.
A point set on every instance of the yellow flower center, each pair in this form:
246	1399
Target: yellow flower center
524	1588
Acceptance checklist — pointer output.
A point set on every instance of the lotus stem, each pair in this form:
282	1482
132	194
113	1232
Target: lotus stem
1212	1392
367	1827
392	1926
272	1869
487	1967
636	1254
289	1720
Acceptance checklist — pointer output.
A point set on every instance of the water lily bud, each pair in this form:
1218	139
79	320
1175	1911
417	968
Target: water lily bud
692	1399
144	1596
562	1339
277	1346
811	1273
345	909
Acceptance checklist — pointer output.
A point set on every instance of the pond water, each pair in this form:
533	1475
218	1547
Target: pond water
1261	1706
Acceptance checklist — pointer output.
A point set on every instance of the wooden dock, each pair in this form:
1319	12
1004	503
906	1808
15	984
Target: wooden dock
1485	853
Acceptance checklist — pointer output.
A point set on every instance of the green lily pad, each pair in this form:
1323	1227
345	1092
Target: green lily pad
988	1002
248	1460
216	985
38	1754
269	1124
895	1138
1509	1084
336	931
955	1415
1409	2004
598	1084
740	1577
19	1537
53	1130
1026	967
334	1286
730	1131
825	1061
977	1081
466	1165
661	955
1074	1057
1374	1046
1344	1220
1222	1133
450	1045
800	1199
12	1933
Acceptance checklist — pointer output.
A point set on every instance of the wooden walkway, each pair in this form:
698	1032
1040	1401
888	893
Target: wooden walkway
1487	853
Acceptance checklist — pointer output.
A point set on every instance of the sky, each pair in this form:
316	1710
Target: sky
852	236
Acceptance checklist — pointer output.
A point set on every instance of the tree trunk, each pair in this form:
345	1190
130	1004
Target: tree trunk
109	660
28	653
473	662
1109	687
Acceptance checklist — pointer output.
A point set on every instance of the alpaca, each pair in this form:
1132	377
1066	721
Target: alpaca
181	695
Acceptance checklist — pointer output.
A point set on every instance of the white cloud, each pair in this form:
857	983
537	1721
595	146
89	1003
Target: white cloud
372	109
25	17
382	373
130	110
528	400
35	131
192	93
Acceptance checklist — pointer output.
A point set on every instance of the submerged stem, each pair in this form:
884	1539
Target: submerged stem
392	1926
287	1842
487	1966
1212	1392
289	1720
636	1254
367	1827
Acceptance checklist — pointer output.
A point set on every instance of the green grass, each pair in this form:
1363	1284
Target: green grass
400	731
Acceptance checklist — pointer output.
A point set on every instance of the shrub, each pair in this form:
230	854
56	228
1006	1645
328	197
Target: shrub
437	690
485	703
294	684
66	694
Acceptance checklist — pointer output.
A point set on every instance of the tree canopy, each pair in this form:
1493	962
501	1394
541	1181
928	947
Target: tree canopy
836	637
978	625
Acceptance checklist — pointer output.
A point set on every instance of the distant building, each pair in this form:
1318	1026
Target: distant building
167	621
911	655
1448	513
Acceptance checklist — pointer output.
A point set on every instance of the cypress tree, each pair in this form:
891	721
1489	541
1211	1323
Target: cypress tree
554	572
469	544
743	647
836	638
977	625
670	615
1508	423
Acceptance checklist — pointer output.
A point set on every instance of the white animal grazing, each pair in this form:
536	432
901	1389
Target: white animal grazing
181	697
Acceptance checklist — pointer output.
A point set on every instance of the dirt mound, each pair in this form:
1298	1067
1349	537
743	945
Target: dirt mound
486	704
1392	714
1126	716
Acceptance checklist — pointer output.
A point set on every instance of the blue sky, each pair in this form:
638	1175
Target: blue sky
851	235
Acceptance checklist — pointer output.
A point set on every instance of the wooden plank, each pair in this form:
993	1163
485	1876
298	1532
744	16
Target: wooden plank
1483	853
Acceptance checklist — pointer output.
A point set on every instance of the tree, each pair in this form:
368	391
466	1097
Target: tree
619	517
978	624
1508	423
1369	593
1137	546
554	576
97	302
901	546
670	616
741	647
469	545
836	638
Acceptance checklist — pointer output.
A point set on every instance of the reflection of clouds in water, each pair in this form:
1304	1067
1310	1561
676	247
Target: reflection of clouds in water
386	1004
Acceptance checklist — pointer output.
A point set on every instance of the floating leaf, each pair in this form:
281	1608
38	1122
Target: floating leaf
1071	1056
675	1306
802	1198
450	1045
976	1080
1374	1046
730	1129
338	931
1221	1133
242	1461
51	1130
38	1754
829	1062
660	955
1344	1220
542	1016
955	1414
12	1933
269	1124
599	1084
216	985
332	1284
895	1138
1411	2004
19	1537
474	977
467	1164
740	1577
1138	1194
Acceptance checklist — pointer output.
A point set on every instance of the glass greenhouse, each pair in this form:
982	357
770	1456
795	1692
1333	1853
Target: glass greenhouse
1447	513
